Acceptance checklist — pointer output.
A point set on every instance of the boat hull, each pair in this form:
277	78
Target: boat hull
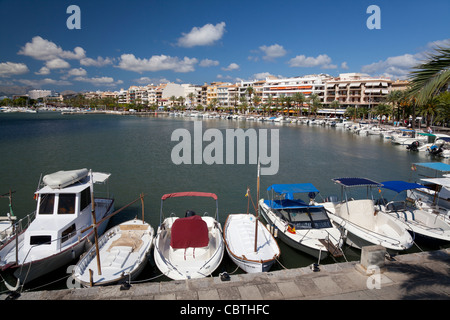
182	264
239	236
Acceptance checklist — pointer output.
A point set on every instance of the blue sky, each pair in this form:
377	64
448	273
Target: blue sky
136	42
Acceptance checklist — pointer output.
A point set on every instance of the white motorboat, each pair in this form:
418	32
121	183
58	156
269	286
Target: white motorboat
303	226
239	235
190	247
425	225
407	137
362	224
123	253
58	233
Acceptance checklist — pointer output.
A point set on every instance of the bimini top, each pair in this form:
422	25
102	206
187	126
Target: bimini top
293	188
189	194
399	186
357	182
438	166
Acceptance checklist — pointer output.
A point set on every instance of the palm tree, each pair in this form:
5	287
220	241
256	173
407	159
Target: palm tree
299	98
431	76
395	97
335	104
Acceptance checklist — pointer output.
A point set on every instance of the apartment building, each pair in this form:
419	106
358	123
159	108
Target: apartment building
308	85
356	89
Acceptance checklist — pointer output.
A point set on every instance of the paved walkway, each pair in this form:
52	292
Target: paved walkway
417	276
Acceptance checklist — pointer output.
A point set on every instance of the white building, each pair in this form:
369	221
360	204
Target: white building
36	94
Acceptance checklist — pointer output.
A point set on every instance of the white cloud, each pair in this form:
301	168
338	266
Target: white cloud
11	68
208	63
323	61
57	63
231	67
43	71
80	72
100	81
203	36
42	49
272	52
44	82
100	62
156	63
148	80
394	67
344	65
262	75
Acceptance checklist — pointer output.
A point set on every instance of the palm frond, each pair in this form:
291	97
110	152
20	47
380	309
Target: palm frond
428	78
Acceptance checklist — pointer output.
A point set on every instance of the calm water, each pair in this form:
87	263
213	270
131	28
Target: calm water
137	152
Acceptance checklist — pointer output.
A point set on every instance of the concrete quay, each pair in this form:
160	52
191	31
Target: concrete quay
417	276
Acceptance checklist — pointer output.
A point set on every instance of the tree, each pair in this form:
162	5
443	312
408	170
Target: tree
395	97
314	103
335	104
299	98
428	78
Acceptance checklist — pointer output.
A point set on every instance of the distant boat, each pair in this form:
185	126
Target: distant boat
303	226
65	208
362	223
190	247
123	250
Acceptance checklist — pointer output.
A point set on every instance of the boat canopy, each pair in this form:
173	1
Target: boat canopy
438	166
290	189
357	182
288	204
399	186
189	194
190	232
445	182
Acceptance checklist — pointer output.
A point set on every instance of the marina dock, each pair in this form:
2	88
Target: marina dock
417	276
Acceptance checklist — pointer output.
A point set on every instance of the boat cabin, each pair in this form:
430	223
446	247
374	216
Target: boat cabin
61	213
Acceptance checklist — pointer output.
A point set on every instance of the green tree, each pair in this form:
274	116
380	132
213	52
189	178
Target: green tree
299	98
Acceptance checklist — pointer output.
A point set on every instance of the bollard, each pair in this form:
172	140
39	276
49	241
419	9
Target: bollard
372	260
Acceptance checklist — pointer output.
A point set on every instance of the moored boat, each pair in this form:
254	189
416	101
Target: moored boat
123	253
188	247
57	234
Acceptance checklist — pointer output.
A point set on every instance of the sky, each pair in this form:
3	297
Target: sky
136	42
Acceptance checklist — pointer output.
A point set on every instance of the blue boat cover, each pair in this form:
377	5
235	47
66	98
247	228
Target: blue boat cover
290	189
439	166
357	182
399	186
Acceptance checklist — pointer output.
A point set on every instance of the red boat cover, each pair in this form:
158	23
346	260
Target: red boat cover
190	232
189	194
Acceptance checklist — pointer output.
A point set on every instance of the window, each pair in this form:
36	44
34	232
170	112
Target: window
46	205
85	199
68	233
38	240
66	203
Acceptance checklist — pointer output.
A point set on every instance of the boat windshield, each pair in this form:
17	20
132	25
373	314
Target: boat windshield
307	218
46	204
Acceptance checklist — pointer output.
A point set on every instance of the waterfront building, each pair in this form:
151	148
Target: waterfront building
357	90
36	94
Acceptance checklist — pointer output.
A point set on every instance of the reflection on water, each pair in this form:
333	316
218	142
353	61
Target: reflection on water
137	151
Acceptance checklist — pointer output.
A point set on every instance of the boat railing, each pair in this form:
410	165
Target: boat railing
18	227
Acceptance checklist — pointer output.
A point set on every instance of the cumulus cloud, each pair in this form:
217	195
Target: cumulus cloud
45	50
44	82
80	72
323	61
231	67
43	71
10	68
272	52
203	36
208	63
156	63
100	81
99	62
394	67
344	65
57	63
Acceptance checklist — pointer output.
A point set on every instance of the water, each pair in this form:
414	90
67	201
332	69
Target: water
137	152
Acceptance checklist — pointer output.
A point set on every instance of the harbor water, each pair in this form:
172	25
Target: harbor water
137	151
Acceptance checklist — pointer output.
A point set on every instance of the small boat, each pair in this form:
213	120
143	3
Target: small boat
424	225
248	242
7	221
303	226
188	247
239	234
123	253
362	223
57	235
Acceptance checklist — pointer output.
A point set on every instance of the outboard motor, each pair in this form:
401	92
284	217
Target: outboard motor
436	150
189	213
413	146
